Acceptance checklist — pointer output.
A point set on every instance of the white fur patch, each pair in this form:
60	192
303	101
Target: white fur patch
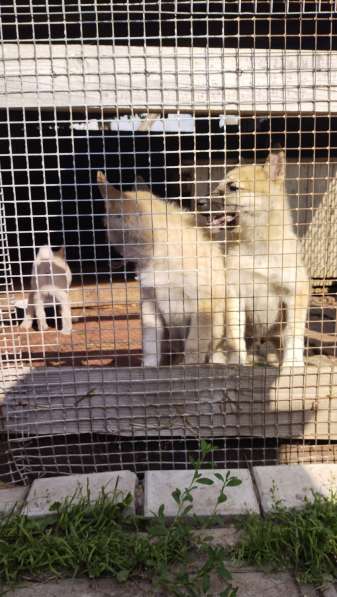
45	253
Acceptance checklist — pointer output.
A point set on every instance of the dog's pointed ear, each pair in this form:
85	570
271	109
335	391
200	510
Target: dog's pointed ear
141	185
275	166
108	192
61	252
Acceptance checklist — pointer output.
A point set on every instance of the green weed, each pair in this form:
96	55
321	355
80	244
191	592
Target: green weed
302	540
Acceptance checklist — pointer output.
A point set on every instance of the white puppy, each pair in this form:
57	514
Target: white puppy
181	274
50	283
263	259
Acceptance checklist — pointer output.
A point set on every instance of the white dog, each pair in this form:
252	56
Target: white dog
180	270
50	283
263	259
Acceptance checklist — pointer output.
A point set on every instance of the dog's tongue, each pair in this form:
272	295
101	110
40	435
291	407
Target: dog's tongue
219	220
223	220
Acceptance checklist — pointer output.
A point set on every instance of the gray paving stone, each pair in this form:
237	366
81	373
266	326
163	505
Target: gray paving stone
329	591
307	591
226	536
291	483
45	492
82	587
250	584
159	486
258	584
12	498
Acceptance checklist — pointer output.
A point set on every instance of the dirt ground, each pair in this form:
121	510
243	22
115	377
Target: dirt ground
100	338
106	331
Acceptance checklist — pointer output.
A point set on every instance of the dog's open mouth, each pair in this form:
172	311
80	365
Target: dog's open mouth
222	218
225	220
219	217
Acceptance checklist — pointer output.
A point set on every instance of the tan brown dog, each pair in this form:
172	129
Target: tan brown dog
181	273
50	283
263	258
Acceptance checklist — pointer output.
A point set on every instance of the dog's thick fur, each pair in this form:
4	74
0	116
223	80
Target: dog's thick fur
49	286
181	273
263	260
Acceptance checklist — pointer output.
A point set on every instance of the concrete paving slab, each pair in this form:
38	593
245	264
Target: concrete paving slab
82	587
227	536
307	591
12	498
256	584
292	483
250	584
328	591
159	486
45	492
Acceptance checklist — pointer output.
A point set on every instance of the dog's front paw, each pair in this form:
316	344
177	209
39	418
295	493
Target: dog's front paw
66	331
293	359
150	361
43	327
218	358
236	358
26	325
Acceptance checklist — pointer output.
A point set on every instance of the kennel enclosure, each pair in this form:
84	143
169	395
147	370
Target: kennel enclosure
176	93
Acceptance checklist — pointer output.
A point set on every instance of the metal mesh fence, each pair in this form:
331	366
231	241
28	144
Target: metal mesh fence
215	126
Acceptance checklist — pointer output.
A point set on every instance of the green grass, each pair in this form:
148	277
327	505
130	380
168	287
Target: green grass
81	538
302	540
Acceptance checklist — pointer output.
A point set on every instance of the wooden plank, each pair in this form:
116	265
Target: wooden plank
119	295
167	78
205	401
321	337
123	296
301	454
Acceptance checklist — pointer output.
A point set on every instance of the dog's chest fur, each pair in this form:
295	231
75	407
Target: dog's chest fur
265	264
180	272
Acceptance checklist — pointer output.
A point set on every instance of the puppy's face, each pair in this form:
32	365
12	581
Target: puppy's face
248	188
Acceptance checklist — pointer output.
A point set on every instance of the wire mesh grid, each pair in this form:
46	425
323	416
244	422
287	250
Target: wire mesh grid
166	98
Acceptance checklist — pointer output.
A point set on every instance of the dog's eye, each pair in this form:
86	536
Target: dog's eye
232	187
